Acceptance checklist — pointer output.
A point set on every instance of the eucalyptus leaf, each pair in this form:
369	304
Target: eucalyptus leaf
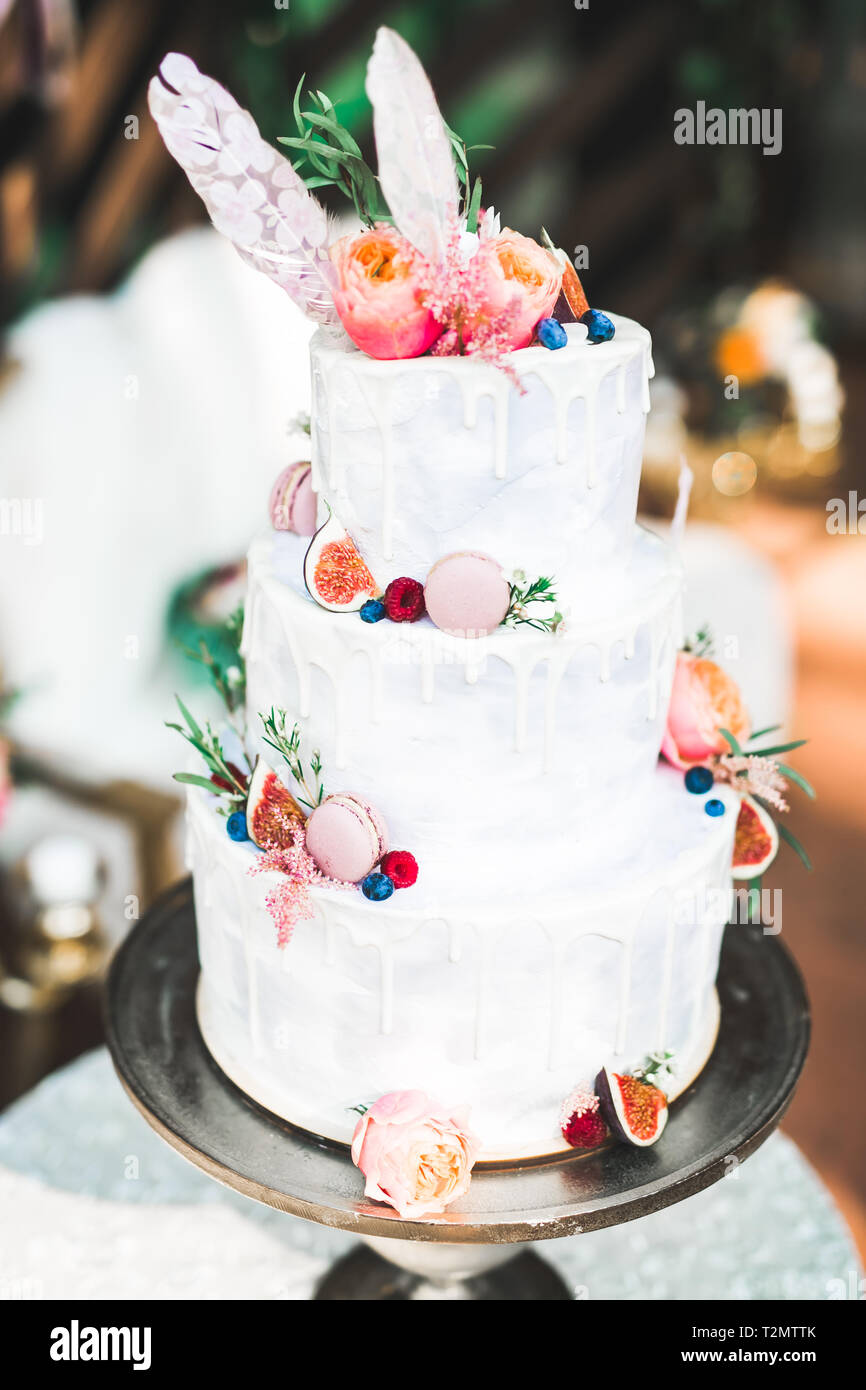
474	206
778	748
734	745
792	840
188	717
797	777
193	780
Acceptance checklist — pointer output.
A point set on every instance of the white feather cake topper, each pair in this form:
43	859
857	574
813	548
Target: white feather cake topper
252	193
415	158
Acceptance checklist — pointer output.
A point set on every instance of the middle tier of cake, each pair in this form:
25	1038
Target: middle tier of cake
474	749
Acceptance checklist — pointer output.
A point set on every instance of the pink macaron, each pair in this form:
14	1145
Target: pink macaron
346	837
292	504
467	594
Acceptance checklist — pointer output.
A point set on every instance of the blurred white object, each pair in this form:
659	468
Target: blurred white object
63	869
734	591
780	321
140	439
666	434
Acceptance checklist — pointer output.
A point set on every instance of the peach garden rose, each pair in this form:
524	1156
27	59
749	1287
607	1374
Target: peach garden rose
416	1155
519	278
378	294
704	699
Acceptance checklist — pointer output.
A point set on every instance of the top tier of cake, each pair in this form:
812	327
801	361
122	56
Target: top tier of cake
424	457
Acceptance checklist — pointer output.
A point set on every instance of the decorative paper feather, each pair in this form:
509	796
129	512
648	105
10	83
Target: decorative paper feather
416	164
252	193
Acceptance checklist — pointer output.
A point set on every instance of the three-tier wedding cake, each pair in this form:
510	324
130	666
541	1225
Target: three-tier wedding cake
442	855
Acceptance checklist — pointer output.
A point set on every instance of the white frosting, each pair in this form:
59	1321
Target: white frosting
503	1009
432	455
477	751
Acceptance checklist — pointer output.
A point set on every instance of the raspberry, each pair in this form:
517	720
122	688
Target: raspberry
582	1125
223	782
404	600
585	1131
401	867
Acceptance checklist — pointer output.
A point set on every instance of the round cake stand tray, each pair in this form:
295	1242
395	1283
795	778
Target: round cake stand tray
473	1250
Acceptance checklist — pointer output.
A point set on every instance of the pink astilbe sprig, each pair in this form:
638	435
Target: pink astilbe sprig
753	774
581	1101
289	901
455	292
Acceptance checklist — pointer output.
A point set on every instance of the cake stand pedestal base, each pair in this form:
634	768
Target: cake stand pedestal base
478	1248
419	1272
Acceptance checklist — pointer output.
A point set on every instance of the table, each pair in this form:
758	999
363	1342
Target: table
94	1205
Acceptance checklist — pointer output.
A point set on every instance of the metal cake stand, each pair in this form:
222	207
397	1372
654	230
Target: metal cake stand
478	1248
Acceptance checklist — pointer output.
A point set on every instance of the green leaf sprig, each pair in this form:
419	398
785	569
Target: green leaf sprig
523	594
471	192
333	157
770	751
702	644
288	745
206	741
229	680
330	156
658	1065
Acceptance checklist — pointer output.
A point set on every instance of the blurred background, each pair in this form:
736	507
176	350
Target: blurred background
150	385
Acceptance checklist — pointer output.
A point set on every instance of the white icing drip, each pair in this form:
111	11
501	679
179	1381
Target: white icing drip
500	407
667	976
647	374
316	448
333	451
624	997
455	940
653	682
557	995
555	671
522	677
604	653
386	1015
591	461
482	991
377	392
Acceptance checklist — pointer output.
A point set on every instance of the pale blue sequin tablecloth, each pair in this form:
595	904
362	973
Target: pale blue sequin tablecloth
94	1205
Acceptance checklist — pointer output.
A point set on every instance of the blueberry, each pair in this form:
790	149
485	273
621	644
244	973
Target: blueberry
236	825
715	807
377	887
699	780
551	334
599	328
373	611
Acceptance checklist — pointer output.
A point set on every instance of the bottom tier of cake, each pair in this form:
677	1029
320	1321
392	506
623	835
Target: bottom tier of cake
505	1011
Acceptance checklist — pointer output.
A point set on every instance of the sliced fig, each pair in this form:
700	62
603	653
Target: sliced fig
636	1111
756	840
270	809
572	292
335	572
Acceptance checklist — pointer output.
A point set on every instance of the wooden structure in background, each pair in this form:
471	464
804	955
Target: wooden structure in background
86	186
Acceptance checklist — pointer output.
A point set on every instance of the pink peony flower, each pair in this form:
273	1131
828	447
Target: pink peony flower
519	284
415	1154
704	699
379	282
